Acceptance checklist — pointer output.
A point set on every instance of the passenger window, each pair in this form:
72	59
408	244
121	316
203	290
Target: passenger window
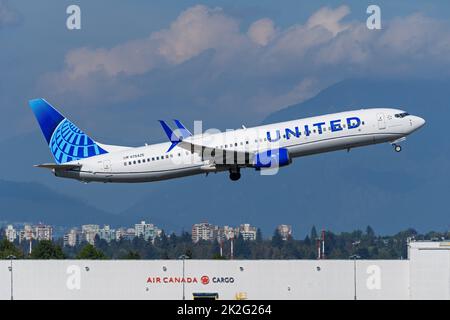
139	161
235	144
362	123
153	159
124	163
157	158
171	155
134	162
242	144
179	154
246	142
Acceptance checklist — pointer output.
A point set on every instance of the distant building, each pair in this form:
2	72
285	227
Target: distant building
10	233
43	232
125	234
227	233
247	232
204	231
89	232
72	238
147	230
107	234
285	231
26	234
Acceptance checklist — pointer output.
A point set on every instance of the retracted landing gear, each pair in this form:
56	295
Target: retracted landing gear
235	174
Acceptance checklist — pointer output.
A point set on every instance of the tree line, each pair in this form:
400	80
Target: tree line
361	244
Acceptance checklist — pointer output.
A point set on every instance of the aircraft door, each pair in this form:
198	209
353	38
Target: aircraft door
381	121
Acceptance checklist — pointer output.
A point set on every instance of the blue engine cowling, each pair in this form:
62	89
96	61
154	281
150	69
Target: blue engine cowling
272	158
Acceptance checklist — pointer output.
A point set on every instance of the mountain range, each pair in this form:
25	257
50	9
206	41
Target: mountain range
338	191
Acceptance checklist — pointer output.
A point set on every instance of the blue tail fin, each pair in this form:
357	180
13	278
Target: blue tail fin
66	141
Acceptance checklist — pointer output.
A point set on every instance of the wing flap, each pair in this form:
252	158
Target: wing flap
217	155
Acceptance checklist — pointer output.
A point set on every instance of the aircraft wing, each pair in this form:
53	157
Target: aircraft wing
217	155
58	166
182	138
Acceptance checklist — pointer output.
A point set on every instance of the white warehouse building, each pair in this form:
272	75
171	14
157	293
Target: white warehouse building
424	275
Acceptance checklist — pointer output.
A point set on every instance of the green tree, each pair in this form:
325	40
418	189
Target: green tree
46	249
189	253
259	237
9	249
307	241
132	255
313	235
369	231
91	253
277	240
217	256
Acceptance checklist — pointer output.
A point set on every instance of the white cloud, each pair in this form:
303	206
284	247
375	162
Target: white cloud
262	31
196	30
258	70
7	15
330	19
132	58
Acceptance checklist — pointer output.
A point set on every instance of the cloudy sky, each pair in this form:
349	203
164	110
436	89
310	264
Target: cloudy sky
228	63
224	62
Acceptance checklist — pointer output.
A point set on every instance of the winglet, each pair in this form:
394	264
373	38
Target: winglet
185	133
170	134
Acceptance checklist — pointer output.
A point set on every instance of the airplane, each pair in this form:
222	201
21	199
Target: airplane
266	147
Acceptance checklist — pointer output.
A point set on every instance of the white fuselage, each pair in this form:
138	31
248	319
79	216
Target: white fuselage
300	137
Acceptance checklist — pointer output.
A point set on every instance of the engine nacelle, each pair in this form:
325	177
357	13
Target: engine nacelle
272	158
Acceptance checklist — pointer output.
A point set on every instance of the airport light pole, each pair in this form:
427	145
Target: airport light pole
184	257
11	257
354	256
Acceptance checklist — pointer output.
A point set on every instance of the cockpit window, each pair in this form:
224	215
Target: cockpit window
402	115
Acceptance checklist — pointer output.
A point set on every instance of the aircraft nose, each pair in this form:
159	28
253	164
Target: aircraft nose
420	122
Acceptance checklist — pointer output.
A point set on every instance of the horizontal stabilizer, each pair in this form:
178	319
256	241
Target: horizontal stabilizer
58	166
183	132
